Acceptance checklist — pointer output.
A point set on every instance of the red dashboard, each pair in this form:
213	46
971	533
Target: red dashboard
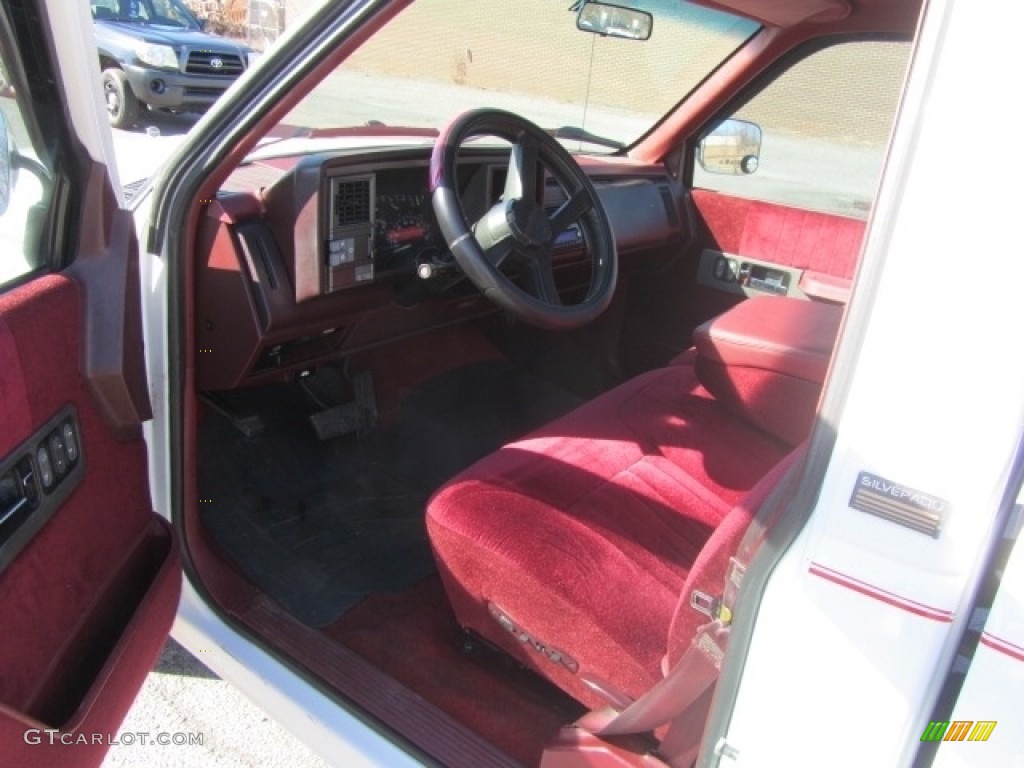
306	258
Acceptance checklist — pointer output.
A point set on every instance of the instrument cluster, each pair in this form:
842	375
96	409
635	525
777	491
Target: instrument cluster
405	232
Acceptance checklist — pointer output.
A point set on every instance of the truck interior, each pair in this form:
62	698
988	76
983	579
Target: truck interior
481	494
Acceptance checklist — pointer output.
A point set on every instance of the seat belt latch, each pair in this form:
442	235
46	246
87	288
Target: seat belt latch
720	608
704	603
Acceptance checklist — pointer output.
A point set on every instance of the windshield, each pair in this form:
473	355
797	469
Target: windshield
165	13
441	57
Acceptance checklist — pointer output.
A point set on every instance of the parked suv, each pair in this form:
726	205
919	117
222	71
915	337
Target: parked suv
155	53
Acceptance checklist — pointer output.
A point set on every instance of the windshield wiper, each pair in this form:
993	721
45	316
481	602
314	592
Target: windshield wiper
575	133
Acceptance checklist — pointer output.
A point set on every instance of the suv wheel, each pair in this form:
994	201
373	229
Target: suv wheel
122	106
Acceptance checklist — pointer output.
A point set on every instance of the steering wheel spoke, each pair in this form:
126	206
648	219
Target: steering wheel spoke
523	164
541	277
571	211
498	253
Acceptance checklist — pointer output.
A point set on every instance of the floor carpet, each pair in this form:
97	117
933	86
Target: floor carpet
320	525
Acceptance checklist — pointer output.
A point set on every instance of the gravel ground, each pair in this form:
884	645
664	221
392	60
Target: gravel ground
182	697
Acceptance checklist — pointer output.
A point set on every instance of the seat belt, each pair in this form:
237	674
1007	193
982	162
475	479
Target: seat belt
693	674
683	697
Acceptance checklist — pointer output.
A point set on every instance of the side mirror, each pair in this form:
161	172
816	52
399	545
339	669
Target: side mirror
614	21
12	161
732	148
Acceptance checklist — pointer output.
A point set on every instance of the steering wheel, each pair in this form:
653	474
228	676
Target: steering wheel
517	230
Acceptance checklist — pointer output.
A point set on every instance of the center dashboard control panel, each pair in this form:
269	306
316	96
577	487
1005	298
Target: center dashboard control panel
380	225
347	247
341	224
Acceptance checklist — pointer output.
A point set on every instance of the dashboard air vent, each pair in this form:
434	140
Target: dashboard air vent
258	245
670	206
352	202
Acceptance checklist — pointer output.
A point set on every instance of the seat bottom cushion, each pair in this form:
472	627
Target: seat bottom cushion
569	548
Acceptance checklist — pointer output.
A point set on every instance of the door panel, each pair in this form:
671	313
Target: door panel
820	248
89	575
89	599
797	219
789	237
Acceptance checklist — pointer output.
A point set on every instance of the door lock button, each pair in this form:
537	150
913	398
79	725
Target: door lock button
60	456
46	476
70	441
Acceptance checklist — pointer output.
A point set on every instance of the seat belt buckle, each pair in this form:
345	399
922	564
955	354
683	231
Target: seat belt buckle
721	608
704	603
710	606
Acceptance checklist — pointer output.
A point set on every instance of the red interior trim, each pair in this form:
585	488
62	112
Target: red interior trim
92	595
411	716
826	287
785	13
826	245
15	422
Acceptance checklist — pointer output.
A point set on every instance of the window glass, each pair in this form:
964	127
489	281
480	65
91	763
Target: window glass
438	58
24	183
825	126
169	12
162	12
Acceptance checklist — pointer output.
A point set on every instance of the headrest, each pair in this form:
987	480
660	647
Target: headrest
766	359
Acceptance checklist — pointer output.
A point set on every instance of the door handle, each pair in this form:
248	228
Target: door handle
17	491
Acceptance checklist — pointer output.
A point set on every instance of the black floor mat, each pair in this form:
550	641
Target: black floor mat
320	525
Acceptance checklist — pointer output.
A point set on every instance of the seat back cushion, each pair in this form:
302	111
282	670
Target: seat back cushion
766	360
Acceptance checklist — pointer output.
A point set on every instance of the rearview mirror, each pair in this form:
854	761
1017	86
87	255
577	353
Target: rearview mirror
732	148
614	21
